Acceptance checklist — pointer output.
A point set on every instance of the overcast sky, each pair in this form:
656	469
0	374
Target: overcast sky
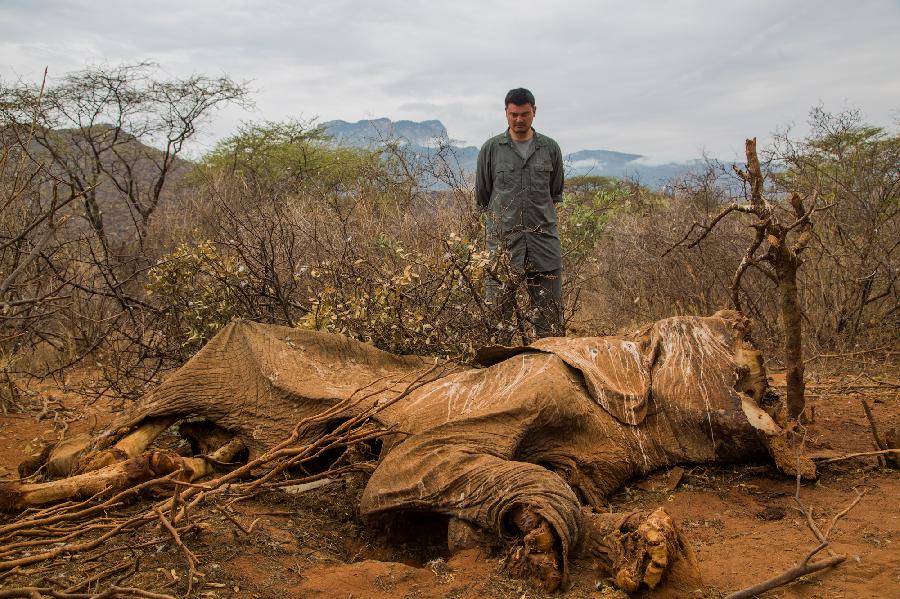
667	79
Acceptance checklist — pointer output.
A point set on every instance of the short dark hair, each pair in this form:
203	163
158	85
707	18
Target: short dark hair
519	97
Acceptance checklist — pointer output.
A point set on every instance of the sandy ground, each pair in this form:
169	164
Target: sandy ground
740	520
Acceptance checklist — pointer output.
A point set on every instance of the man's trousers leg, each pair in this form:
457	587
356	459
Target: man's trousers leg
545	291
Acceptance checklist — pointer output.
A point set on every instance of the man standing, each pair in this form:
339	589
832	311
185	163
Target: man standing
518	182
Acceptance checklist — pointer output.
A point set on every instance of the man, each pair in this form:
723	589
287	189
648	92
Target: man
518	182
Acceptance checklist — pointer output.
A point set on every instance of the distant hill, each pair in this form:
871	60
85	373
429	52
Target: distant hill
423	137
369	132
627	166
128	159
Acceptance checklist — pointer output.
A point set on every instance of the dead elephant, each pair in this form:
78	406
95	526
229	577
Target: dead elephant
523	448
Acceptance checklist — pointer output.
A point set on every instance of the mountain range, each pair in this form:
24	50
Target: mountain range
423	138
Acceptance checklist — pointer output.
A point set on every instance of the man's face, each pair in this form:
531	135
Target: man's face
519	117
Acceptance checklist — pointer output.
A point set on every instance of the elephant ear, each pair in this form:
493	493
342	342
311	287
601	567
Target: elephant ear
615	371
489	355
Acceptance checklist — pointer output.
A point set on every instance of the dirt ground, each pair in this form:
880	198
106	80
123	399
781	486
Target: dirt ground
741	521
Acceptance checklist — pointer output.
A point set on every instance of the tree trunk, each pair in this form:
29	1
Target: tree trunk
786	270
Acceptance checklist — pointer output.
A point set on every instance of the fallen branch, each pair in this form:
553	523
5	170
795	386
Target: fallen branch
802	569
811	522
234	520
189	555
805	566
77	528
98	576
860	454
111	593
879	444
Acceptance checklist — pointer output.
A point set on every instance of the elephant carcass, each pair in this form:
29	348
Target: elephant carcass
520	448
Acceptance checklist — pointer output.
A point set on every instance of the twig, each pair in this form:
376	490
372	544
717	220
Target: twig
253	525
117	591
176	499
113	501
844	512
879	444
132	571
125	548
188	554
135	522
885	349
802	569
811	523
860	454
234	520
70	522
113	592
98	576
805	566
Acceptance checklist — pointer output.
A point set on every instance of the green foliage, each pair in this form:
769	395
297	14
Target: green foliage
403	301
590	184
288	156
589	205
851	275
195	288
407	301
845	160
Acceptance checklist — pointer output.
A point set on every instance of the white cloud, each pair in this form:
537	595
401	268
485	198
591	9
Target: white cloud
663	79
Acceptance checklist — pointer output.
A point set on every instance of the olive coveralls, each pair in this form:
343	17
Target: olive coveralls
519	197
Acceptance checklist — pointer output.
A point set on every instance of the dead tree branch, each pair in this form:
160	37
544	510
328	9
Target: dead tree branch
189	555
780	252
801	569
861	454
805	566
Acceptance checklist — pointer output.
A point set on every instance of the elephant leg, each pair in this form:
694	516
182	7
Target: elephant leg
78	454
638	549
456	475
128	447
113	478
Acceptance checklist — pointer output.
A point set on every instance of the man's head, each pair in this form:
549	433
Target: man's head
520	111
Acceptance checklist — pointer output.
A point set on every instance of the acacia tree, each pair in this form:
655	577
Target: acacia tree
116	131
782	232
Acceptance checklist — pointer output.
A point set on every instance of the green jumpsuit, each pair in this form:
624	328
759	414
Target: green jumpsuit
519	197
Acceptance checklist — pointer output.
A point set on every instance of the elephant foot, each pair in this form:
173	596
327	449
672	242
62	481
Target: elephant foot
537	558
637	549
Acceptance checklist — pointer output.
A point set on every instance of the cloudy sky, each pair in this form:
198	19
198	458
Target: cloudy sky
667	79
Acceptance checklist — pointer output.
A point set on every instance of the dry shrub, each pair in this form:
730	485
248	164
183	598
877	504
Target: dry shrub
849	277
403	272
637	281
279	226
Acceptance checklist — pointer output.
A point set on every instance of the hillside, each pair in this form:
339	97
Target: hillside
423	137
119	172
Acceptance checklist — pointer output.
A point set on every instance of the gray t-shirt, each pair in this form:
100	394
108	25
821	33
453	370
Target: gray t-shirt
523	147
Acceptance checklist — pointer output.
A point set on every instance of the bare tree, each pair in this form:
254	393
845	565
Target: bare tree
782	231
852	280
85	164
116	131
